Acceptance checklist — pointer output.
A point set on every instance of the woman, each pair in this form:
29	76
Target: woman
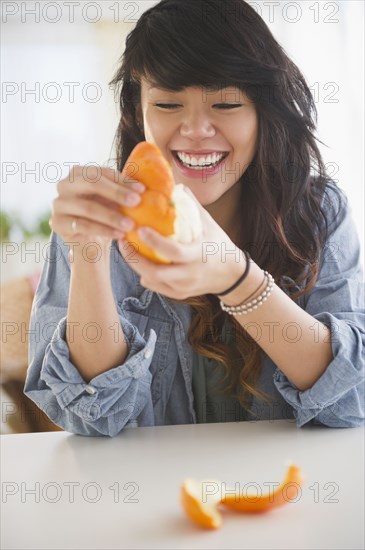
125	342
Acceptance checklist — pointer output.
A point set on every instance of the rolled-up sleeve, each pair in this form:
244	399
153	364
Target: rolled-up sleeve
336	399
110	401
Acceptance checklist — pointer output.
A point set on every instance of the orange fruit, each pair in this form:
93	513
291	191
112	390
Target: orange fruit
147	164
156	209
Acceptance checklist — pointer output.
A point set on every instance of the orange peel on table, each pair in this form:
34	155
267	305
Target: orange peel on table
206	513
165	206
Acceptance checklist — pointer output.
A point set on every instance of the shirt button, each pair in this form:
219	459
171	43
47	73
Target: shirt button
90	390
147	353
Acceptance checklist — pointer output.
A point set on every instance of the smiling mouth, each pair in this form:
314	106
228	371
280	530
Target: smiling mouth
203	162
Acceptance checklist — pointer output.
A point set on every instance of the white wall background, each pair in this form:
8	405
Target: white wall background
324	38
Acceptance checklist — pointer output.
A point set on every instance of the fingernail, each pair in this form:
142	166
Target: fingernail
132	199
143	232
128	225
138	186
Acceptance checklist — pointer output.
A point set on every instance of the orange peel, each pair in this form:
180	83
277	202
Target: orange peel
164	205
286	492
206	513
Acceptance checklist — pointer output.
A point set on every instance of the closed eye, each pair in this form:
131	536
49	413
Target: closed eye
227	105
167	105
217	105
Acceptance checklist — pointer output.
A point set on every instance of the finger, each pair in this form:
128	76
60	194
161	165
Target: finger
64	226
168	247
153	276
115	192
127	194
166	279
94	213
124	178
156	272
130	252
94	174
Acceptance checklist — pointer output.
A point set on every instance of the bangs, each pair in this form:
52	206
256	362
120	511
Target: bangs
177	53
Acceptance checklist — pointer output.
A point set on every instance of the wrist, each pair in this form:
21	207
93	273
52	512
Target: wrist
89	254
233	273
247	289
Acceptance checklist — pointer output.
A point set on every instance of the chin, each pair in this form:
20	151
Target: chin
204	197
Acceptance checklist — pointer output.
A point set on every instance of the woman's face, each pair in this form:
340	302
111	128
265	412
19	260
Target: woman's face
197	127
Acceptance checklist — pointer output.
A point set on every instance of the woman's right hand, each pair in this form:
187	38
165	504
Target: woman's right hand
88	205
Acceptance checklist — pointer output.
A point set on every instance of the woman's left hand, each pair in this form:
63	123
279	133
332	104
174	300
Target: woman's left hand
210	264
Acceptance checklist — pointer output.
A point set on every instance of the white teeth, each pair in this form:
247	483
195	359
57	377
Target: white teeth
200	162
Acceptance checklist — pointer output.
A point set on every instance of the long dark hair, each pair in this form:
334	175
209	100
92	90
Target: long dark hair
215	44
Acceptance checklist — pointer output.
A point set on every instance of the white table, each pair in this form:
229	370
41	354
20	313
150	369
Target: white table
61	490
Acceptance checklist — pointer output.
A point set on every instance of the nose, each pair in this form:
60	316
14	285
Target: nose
197	126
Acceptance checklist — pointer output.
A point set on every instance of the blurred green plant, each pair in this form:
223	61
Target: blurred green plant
10	222
5	226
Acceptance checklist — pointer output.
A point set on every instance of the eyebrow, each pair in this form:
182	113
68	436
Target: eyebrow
226	93
214	89
164	89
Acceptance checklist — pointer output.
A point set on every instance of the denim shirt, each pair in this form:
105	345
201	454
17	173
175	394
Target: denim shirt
154	385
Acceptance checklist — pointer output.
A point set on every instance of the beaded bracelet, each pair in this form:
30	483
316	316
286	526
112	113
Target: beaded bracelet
248	307
255	291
